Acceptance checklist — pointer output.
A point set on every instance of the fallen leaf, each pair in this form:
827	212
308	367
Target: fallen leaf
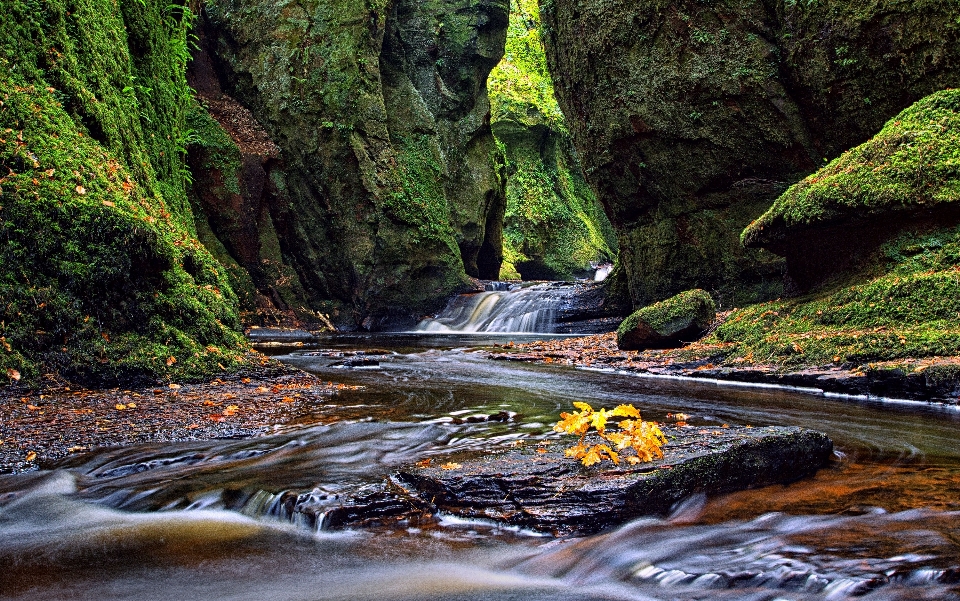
13	374
31	456
171	360
33	408
450	466
287	399
120	406
108	203
193	426
421	463
174	386
81	190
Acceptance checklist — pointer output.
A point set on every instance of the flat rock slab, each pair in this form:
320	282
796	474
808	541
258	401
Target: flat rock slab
541	489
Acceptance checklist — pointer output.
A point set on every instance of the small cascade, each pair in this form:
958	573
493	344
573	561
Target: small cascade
530	309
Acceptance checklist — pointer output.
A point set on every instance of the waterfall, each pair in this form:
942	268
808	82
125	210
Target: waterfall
529	309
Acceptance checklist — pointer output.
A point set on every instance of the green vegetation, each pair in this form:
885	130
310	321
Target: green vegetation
554	226
666	318
102	279
905	303
913	163
912	310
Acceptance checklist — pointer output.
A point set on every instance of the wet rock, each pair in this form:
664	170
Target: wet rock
691	118
546	491
668	324
266	335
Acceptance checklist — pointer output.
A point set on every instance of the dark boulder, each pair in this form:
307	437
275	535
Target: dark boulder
691	117
668	324
541	489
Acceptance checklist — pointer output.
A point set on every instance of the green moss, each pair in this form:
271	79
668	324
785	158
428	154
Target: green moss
912	310
692	306
554	226
520	86
221	152
914	162
101	277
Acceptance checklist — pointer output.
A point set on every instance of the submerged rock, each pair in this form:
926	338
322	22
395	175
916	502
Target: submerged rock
669	323
541	489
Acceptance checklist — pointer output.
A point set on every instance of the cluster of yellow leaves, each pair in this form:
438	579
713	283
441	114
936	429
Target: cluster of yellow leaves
645	438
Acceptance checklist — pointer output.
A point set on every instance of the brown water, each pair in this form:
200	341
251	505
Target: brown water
207	520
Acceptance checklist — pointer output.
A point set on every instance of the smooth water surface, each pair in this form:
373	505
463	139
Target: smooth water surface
208	520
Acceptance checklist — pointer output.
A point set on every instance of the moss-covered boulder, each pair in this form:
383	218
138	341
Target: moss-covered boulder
872	240
905	176
393	180
669	323
554	227
102	278
693	116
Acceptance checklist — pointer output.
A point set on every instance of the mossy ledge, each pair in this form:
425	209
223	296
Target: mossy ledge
905	176
692	116
102	279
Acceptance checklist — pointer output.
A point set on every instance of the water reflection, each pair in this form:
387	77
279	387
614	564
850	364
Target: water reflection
201	520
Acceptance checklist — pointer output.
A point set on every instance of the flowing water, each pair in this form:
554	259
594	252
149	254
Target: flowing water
503	308
210	520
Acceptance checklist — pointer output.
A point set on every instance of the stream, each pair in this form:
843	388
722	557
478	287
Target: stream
207	520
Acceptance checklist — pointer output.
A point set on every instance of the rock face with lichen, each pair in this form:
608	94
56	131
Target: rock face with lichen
669	323
102	278
554	228
391	183
692	117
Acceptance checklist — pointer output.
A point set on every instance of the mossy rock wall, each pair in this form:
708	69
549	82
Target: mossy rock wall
393	182
692	117
102	279
554	226
907	175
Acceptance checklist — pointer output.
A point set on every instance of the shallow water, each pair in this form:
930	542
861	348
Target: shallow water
206	520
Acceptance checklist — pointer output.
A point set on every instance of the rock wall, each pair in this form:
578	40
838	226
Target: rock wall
391	182
693	116
102	279
554	226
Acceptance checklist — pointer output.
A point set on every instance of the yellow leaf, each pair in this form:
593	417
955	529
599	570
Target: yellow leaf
171	360
583	407
626	411
31	456
450	466
120	406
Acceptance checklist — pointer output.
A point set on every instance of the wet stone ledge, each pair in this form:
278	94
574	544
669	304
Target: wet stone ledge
537	487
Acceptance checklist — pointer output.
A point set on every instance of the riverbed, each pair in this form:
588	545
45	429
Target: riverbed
210	520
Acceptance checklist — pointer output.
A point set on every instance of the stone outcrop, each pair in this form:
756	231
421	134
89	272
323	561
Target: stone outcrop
391	181
554	225
668	324
549	492
692	117
904	179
